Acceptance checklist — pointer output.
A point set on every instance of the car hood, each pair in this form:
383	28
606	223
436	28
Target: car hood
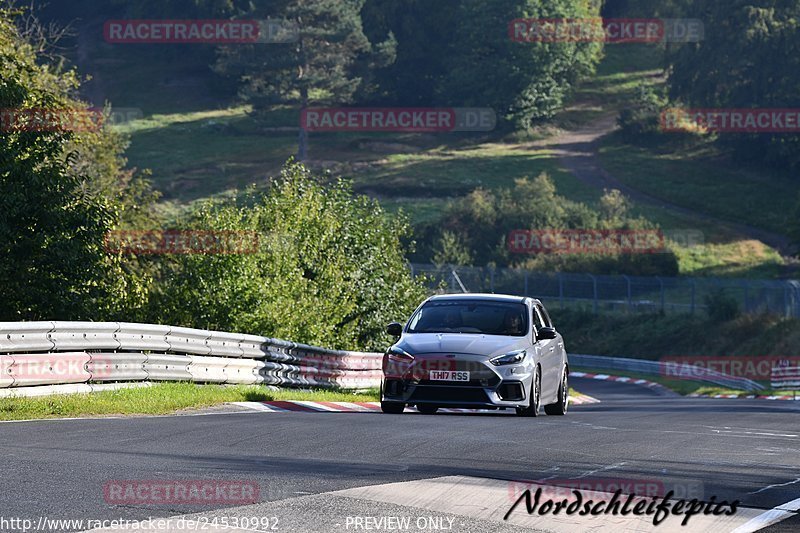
463	343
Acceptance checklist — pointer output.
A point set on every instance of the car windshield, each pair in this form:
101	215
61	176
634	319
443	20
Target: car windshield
471	316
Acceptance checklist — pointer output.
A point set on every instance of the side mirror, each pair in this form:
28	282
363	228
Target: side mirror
395	329
546	333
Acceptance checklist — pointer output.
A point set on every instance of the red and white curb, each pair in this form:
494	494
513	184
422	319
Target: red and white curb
653	385
363	407
620	379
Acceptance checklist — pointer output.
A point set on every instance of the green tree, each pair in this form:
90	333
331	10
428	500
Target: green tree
614	206
330	269
423	52
451	250
55	206
521	81
152	9
326	65
750	58
481	223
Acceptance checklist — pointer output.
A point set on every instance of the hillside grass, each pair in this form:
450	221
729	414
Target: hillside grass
703	179
624	70
197	151
202	154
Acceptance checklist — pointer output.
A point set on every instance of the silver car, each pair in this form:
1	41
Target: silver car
482	351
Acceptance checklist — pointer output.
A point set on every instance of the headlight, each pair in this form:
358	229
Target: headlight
400	356
511	358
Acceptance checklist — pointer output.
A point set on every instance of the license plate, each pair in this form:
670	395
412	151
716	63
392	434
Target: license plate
449	375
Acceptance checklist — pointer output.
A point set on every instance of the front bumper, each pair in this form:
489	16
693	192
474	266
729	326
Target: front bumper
489	386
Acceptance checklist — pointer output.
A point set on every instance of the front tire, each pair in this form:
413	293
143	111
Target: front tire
393	408
536	387
560	407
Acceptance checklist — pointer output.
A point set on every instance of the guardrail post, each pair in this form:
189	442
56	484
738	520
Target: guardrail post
663	295
594	287
630	303
694	290
491	280
560	290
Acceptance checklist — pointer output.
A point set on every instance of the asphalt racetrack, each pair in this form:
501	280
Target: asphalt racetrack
457	472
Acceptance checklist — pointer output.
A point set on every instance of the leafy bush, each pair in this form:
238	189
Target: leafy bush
482	221
329	270
721	306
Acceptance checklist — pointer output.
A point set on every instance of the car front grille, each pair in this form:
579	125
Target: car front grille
448	393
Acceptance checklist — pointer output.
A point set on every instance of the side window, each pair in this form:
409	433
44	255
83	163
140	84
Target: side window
546	317
537	319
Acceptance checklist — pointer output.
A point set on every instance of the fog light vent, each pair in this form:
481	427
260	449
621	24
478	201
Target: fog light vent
510	392
393	387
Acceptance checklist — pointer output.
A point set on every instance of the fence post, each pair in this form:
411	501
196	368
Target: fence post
594	286
694	290
746	296
491	280
661	282
785	302
795	308
630	303
560	290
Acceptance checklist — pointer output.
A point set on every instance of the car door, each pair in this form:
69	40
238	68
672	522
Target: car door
560	344
550	359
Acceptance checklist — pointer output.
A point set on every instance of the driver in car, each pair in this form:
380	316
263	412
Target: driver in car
512	325
452	320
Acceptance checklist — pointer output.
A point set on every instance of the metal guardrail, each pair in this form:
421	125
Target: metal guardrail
659	368
85	353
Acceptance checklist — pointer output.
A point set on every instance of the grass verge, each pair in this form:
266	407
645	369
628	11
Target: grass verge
165	398
159	399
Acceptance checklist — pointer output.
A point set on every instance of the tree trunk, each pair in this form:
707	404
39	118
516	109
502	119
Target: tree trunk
302	149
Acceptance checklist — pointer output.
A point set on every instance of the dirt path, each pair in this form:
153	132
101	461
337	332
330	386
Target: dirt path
577	152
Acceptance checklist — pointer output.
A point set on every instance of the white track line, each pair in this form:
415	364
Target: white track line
767	518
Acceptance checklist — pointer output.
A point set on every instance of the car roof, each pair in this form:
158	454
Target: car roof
482	296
